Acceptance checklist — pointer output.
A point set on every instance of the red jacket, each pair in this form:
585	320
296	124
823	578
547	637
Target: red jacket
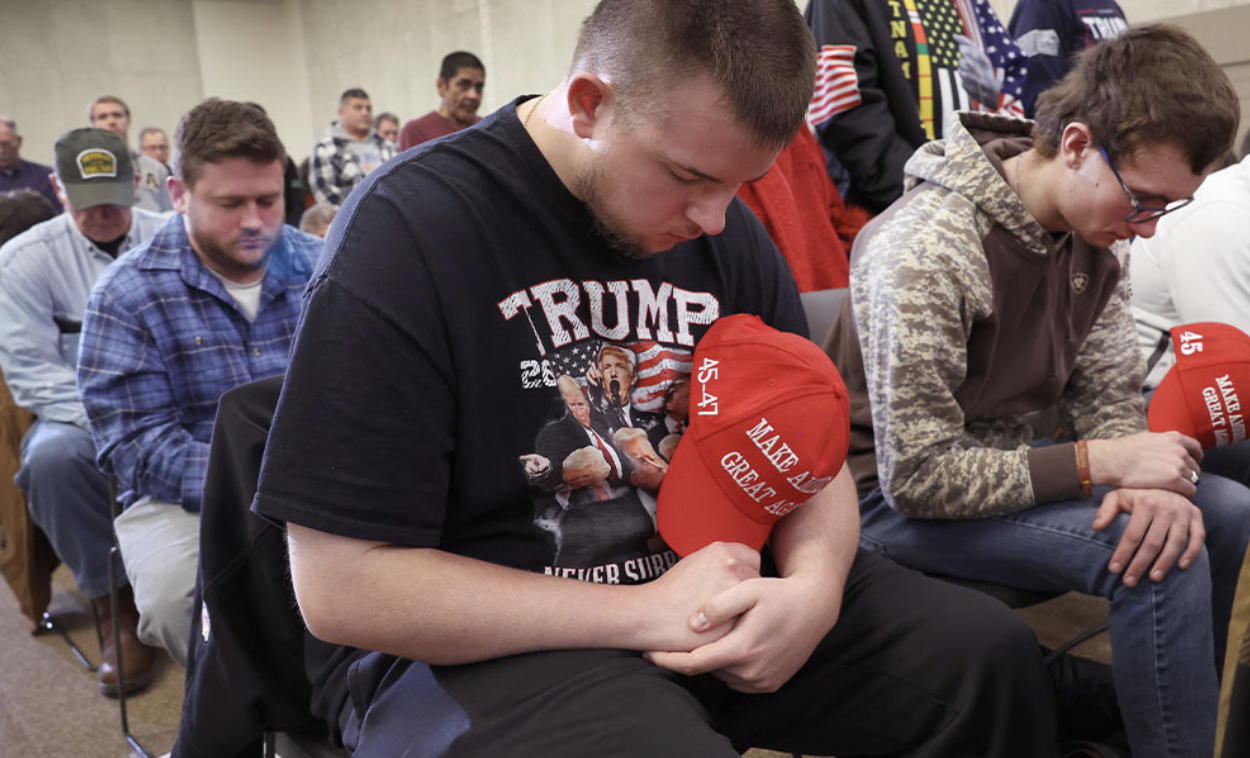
805	216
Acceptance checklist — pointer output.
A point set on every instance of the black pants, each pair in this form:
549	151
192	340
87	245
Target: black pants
914	667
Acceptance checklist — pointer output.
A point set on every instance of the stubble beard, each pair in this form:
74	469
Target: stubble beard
588	179
225	264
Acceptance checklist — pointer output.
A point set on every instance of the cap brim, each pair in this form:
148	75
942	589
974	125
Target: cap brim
692	512
90	194
1168	409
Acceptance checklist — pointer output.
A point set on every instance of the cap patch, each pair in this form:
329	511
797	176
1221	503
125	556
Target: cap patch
97	163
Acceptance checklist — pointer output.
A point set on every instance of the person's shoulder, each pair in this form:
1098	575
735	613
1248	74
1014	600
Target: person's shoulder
303	251
302	240
1218	212
123	281
149	221
931	229
35	241
328	140
150	164
40	233
37	167
1228	185
467	156
158	251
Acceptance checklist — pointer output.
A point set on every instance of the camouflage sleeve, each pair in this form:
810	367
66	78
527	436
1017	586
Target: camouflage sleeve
918	289
1103	397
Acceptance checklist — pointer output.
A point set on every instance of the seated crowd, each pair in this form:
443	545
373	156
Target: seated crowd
552	343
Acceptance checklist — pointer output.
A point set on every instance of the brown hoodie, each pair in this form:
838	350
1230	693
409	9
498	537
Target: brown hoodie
974	324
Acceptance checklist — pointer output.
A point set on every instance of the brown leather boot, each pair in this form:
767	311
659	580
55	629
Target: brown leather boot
135	655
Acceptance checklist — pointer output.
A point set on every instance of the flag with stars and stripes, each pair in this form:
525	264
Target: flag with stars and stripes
989	33
574	360
923	34
837	85
656	368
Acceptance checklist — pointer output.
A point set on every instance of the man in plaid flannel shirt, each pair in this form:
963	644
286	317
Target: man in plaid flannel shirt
349	151
209	303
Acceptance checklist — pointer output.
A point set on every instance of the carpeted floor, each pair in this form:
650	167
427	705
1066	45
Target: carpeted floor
50	707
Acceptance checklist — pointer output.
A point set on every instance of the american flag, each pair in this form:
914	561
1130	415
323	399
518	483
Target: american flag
657	366
934	72
837	86
574	360
985	29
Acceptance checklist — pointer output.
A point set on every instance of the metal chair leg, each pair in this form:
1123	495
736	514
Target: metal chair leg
48	624
114	555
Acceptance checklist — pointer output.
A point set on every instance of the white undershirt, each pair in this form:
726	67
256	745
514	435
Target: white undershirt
246	295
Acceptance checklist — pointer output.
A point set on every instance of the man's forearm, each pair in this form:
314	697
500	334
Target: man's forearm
440	608
821	537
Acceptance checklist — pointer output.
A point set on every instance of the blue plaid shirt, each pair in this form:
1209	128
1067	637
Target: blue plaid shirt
162	340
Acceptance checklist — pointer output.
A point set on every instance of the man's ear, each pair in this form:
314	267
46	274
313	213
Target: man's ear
589	102
441	85
179	193
60	190
1076	144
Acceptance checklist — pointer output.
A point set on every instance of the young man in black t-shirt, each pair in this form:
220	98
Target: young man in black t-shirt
466	281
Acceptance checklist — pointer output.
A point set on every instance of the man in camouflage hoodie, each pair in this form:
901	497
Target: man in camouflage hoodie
994	295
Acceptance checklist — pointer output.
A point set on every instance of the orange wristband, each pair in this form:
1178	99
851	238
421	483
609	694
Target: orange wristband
1082	468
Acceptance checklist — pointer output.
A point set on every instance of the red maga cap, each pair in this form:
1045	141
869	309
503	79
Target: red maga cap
1201	395
769	428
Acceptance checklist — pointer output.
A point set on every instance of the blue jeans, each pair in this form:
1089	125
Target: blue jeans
1168	636
68	497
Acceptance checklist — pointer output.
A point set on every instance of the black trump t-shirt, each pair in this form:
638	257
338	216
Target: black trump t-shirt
476	370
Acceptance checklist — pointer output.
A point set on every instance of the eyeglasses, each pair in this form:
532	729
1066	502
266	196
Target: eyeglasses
1142	213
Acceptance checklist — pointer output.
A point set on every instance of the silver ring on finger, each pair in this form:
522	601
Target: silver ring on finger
1193	478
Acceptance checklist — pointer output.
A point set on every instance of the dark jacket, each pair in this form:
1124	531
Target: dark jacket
251	663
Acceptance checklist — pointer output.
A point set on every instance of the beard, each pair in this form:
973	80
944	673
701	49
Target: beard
224	263
589	180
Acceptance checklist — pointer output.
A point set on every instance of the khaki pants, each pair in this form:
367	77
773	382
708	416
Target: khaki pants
160	544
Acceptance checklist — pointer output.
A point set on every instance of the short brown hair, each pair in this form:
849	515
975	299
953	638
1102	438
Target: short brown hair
1150	85
218	129
760	52
106	99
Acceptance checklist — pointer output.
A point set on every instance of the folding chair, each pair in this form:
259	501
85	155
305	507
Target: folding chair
28	559
115	563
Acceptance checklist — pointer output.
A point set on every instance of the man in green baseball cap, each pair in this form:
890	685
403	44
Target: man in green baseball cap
46	274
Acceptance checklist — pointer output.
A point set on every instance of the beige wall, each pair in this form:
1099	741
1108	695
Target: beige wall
296	56
1142	11
392	48
1223	33
56	56
250	51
